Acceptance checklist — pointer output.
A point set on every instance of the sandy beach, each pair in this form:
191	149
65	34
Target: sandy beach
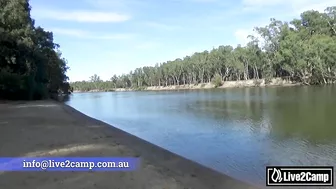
48	128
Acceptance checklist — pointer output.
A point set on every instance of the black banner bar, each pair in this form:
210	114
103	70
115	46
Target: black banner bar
299	176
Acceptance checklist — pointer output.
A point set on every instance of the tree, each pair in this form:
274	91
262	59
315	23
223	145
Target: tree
30	63
302	50
95	78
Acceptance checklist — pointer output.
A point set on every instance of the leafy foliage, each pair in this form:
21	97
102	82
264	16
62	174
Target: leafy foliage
303	50
217	80
31	67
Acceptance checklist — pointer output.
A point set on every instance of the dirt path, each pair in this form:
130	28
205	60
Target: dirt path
47	128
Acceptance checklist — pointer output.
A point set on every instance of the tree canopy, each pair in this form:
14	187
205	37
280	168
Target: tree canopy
303	50
31	65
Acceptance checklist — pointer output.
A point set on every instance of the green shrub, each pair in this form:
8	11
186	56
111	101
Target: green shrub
139	88
257	82
11	85
14	86
217	80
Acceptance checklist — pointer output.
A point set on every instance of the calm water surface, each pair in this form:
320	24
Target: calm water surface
235	131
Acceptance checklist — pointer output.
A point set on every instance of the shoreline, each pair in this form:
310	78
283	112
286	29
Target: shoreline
226	84
49	128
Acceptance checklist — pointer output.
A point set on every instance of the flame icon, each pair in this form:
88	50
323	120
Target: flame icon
276	175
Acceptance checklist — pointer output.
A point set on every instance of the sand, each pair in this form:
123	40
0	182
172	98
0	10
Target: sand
48	128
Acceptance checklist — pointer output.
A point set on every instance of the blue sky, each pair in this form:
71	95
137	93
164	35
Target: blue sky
107	37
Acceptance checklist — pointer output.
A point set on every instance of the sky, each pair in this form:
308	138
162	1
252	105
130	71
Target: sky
107	37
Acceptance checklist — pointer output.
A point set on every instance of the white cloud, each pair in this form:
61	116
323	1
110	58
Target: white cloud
203	1
71	32
318	6
162	26
241	36
82	16
296	6
108	3
148	45
197	1
130	6
284	10
262	2
87	35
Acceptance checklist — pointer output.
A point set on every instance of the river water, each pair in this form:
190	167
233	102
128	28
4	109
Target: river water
235	131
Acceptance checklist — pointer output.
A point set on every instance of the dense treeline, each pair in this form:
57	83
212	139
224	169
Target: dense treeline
95	83
31	66
303	50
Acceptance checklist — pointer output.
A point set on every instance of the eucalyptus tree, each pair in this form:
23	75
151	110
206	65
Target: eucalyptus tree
302	50
31	65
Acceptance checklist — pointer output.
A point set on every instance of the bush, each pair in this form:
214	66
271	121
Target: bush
257	82
139	88
11	85
217	80
14	86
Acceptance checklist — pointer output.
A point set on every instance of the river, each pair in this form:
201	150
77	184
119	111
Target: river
235	131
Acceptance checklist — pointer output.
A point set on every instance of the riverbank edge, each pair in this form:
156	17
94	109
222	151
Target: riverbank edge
173	163
168	165
226	84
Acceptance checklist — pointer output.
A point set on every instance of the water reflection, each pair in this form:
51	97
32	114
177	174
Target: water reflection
305	113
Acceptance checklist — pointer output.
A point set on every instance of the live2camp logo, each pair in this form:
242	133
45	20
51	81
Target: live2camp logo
299	176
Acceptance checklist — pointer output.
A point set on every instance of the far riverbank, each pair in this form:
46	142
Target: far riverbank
226	84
